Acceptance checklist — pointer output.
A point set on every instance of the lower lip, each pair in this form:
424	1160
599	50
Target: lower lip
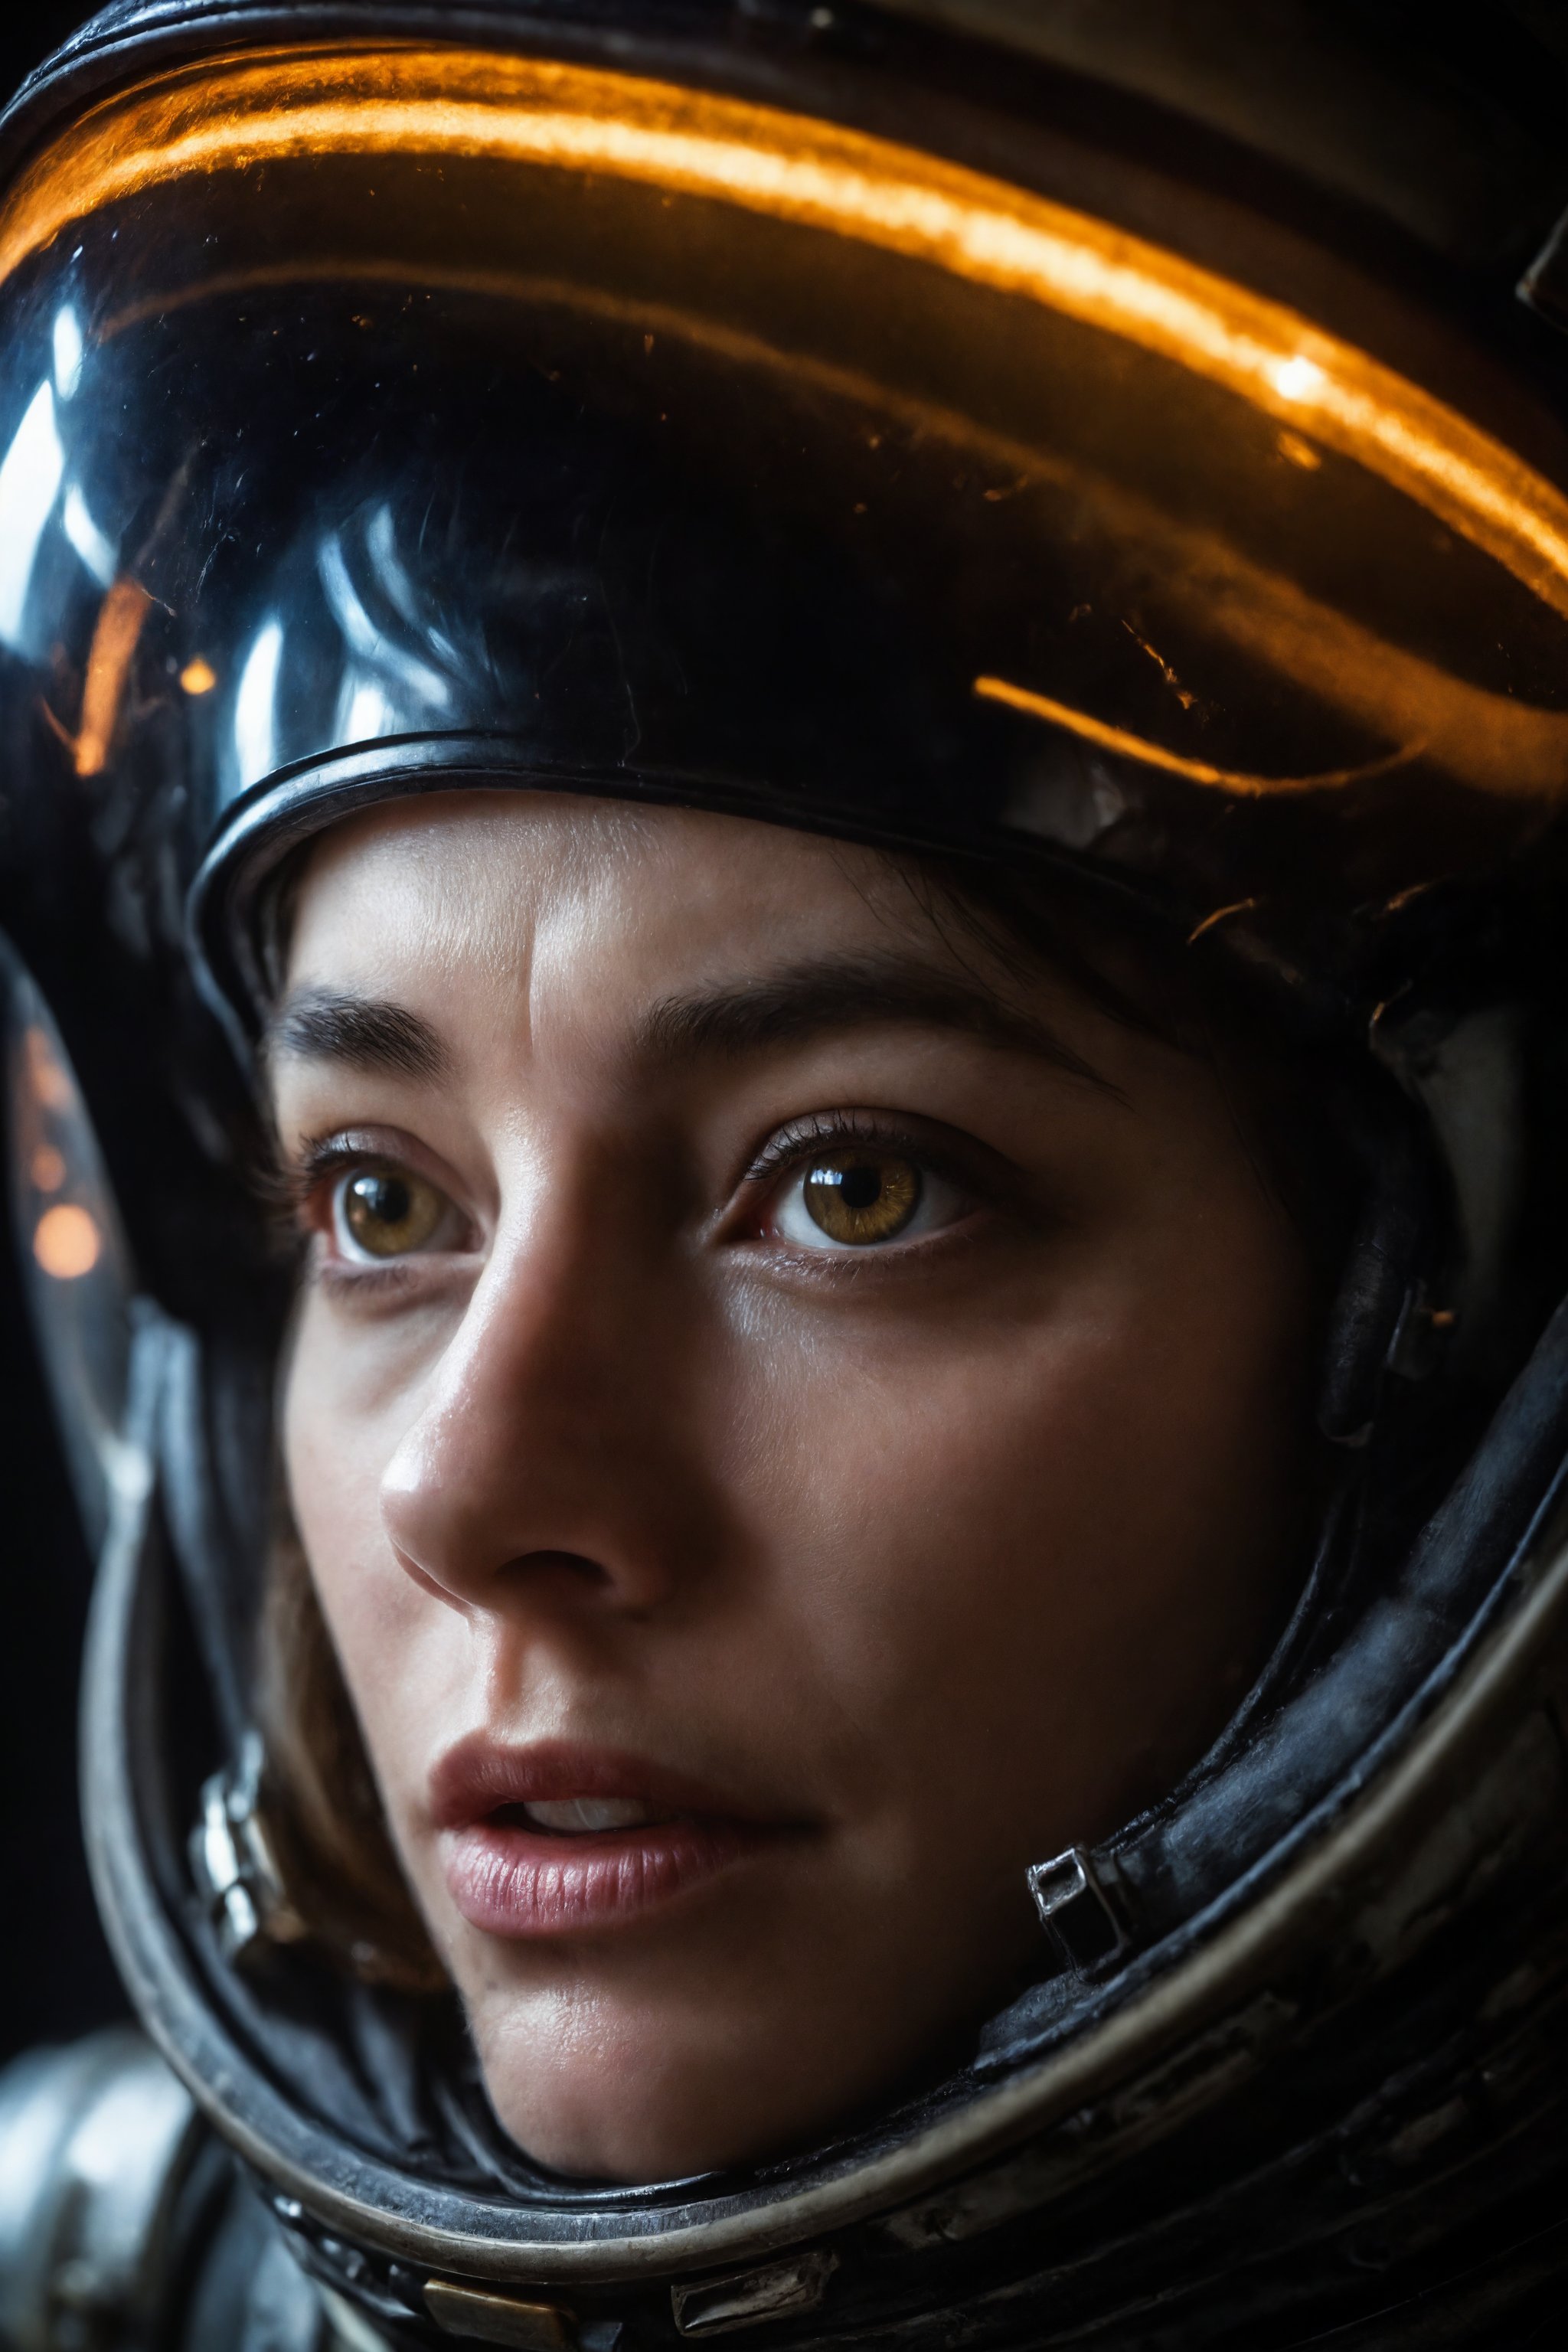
523	1883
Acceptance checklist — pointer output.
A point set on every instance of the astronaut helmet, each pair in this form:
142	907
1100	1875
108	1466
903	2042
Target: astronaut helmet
830	419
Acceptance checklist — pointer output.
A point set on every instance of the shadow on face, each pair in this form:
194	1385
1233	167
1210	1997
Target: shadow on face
795	1414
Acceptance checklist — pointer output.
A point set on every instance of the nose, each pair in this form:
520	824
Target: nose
551	1465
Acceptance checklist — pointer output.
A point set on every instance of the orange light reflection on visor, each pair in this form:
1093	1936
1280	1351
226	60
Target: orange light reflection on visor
1193	772
794	168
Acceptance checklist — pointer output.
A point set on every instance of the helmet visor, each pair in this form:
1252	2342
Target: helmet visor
373	421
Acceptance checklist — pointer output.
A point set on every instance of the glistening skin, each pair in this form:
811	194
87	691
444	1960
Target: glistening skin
792	1415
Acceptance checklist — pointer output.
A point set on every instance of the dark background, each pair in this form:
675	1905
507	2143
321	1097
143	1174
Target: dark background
56	1977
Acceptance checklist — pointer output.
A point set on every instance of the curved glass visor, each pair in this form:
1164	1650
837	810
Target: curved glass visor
75	1263
371	422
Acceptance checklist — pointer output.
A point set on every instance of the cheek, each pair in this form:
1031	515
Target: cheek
340	1429
333	1452
1042	1548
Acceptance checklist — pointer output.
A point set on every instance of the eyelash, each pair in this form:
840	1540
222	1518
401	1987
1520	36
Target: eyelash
791	1146
297	1189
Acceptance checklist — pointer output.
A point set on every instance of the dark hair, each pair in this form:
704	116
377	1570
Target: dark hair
325	1825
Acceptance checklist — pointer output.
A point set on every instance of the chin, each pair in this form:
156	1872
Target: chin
603	2093
631	2116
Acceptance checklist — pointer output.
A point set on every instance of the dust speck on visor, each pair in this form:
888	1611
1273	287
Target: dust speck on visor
640	403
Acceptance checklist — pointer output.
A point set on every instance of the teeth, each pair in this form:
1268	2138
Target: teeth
586	1813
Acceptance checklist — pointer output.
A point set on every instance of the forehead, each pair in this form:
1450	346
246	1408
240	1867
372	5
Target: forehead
510	888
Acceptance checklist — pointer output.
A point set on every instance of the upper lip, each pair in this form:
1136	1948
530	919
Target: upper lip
478	1776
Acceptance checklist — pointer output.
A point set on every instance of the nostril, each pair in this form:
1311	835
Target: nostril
456	1565
574	1566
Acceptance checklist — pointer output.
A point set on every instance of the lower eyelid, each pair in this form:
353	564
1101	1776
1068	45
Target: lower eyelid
357	1273
335	1265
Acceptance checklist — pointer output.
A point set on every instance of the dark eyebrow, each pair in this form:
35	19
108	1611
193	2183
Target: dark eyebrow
856	992
366	1032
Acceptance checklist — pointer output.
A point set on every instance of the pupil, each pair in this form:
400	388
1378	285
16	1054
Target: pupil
860	1188
384	1198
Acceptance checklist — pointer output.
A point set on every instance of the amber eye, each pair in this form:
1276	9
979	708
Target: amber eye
858	1196
388	1211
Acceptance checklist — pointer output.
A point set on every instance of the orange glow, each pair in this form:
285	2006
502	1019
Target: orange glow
48	1169
108	667
47	1078
1220	915
1297	452
199	677
66	1242
1155	755
454	102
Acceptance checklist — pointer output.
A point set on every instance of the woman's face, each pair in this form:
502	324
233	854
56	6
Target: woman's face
791	1422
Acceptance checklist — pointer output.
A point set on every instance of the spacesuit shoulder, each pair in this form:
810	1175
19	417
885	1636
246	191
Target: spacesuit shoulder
124	2222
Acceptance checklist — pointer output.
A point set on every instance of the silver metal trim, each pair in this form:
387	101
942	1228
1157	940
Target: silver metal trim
1062	1880
748	2298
